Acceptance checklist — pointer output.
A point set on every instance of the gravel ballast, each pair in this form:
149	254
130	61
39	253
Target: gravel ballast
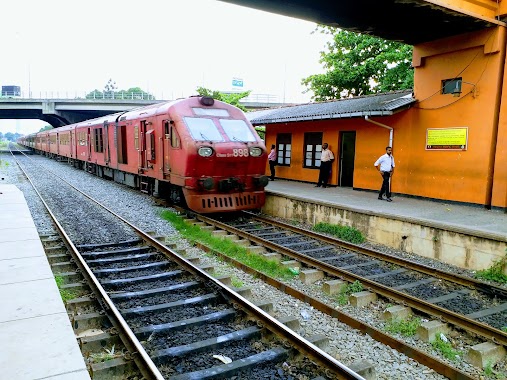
345	344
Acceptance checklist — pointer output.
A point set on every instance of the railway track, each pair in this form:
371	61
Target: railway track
176	320
473	305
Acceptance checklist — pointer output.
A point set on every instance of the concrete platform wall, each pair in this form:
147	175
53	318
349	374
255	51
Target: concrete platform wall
446	244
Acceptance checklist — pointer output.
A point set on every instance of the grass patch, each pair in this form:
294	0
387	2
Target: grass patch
350	234
65	294
495	273
403	327
223	245
343	297
104	356
237	283
445	348
492	374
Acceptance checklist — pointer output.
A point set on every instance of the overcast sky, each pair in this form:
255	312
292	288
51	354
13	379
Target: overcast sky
166	47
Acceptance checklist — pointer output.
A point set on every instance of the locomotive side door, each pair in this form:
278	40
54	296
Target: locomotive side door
72	143
107	157
166	165
89	144
121	145
143	163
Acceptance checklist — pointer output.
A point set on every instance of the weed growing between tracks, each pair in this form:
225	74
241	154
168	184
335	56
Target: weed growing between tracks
223	245
65	294
445	348
104	356
403	327
346	233
343	297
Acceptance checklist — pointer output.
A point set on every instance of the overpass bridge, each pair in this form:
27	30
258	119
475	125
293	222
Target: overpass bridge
62	111
59	112
410	21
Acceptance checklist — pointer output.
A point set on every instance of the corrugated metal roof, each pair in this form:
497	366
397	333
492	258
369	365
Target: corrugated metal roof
383	104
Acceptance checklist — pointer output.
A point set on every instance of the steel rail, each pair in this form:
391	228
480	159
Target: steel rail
331	364
146	365
437	365
458	279
441	313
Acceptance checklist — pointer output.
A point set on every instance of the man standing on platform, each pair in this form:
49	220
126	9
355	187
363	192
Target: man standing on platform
385	165
272	161
326	159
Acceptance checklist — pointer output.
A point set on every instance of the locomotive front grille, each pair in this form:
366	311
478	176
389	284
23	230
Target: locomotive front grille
227	202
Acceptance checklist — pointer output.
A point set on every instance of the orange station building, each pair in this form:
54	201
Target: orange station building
449	134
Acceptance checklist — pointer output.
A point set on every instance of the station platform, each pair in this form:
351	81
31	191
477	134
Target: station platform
37	339
471	219
470	237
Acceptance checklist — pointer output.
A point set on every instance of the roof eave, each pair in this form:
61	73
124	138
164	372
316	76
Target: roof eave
347	115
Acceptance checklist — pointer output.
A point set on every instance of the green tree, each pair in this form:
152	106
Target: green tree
9	136
230	98
45	128
360	64
110	92
1	136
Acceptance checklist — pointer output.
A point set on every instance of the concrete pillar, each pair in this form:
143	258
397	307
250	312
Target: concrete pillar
310	276
334	287
428	331
362	298
484	354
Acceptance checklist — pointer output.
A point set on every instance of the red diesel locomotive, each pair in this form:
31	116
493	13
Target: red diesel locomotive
199	150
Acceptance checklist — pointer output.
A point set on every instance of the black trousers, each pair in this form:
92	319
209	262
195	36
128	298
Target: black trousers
325	168
385	185
272	169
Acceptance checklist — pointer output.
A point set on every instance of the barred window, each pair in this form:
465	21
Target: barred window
284	149
313	150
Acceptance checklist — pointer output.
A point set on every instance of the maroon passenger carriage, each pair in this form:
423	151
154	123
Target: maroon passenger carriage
199	149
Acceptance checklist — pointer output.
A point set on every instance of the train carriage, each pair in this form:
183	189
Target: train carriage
199	150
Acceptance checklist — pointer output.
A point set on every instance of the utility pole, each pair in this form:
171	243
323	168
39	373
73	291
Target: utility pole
29	86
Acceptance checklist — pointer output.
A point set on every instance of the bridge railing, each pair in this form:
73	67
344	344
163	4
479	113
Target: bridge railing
122	95
99	95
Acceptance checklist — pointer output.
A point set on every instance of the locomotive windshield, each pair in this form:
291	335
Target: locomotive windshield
237	130
203	129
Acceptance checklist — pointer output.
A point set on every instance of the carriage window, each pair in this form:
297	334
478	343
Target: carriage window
136	137
237	130
99	147
203	129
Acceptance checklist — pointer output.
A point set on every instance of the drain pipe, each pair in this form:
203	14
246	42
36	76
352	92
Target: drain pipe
391	132
366	118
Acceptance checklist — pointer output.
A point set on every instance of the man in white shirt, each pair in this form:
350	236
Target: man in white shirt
326	159
385	165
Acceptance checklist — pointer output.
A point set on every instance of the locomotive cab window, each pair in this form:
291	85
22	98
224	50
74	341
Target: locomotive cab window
175	139
203	129
211	112
237	130
171	134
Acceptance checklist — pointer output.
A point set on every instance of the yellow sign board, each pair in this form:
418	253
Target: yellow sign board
447	138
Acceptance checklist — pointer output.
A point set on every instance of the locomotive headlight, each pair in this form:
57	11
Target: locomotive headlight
255	152
205	151
207	183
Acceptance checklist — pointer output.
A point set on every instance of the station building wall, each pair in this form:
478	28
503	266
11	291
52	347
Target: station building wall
476	175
